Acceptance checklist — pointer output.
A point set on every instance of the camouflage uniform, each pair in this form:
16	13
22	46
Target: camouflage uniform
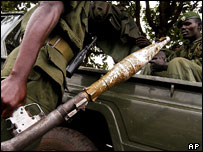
186	62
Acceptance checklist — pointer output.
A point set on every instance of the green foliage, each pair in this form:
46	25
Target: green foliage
97	59
13	6
173	31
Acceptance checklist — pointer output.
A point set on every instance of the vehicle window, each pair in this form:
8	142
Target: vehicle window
13	39
8	22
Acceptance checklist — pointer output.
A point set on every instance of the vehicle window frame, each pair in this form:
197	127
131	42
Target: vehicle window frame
18	19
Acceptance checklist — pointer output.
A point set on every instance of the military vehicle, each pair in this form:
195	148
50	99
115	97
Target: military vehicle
143	113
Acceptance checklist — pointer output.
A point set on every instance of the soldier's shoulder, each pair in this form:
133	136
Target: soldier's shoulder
199	43
199	40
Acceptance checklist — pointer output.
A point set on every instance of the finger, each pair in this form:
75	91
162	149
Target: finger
23	102
141	36
141	44
154	60
142	40
151	61
3	113
7	113
2	106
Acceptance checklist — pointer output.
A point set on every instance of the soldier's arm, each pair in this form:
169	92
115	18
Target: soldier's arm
41	23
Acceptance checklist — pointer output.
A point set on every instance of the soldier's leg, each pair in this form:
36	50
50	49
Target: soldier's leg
181	68
146	70
41	89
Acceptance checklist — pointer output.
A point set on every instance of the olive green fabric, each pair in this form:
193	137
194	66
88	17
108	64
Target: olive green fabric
184	69
167	51
189	51
187	16
26	18
41	89
178	68
115	29
74	22
146	70
116	49
46	81
49	59
185	63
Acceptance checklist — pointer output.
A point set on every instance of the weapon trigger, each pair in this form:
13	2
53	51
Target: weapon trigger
9	124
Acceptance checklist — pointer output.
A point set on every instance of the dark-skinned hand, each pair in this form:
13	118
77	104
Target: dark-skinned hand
142	41
13	93
159	62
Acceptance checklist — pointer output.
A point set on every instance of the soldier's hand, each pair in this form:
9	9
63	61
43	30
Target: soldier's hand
13	93
159	62
142	41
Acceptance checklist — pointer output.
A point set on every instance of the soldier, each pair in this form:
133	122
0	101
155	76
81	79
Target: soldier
186	62
54	32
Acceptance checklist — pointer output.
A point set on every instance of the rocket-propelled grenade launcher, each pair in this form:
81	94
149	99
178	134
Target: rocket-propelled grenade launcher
125	68
119	73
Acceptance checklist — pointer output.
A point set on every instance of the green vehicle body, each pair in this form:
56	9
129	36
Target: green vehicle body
143	113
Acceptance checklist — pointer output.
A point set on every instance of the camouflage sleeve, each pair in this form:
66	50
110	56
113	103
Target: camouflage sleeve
175	53
167	51
197	55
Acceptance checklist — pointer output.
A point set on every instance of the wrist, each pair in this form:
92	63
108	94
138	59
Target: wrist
18	76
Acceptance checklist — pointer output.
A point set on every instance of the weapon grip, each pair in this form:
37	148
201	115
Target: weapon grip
77	61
